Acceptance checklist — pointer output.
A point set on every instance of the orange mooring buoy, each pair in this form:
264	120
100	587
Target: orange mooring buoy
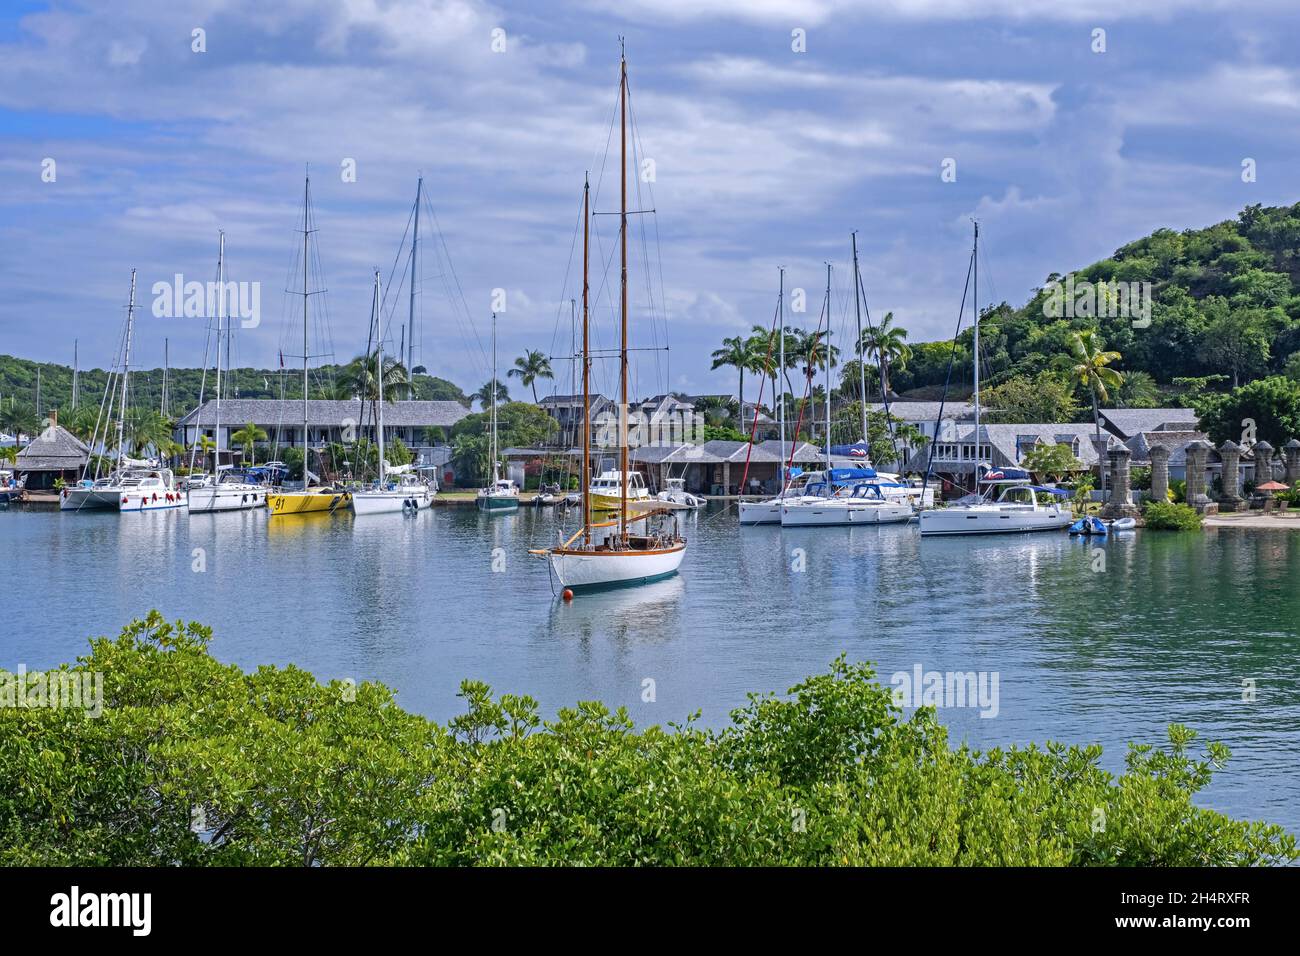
567	595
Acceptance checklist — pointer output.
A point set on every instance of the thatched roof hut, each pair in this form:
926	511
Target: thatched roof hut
54	453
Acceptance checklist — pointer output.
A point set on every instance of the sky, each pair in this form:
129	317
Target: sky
776	129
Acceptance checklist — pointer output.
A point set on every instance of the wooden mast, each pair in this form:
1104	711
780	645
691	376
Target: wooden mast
586	371
622	354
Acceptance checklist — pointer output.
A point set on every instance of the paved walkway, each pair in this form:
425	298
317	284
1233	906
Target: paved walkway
1273	521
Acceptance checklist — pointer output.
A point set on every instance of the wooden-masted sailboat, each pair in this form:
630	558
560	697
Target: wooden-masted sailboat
611	553
502	495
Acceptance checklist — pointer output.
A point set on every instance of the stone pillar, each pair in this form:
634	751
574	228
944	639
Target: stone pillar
1159	473
1263	453
726	478
1292	450
1197	453
1119	504
1230	499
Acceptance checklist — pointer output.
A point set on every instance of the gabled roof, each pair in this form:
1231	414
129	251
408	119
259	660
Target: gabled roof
1176	441
1127	422
55	449
323	412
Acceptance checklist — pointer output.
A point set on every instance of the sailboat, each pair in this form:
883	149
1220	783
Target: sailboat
134	485
308	500
226	491
503	494
404	492
602	554
1020	506
843	496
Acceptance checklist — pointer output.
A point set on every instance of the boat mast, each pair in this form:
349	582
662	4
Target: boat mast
126	375
862	352
828	373
167	366
306	235
76	368
975	257
221	308
780	373
379	375
622	353
493	444
586	371
415	240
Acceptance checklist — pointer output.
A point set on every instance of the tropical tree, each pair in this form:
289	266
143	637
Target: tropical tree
716	409
1054	461
359	379
19	418
146	428
529	368
484	395
9	454
1091	369
736	353
886	343
248	436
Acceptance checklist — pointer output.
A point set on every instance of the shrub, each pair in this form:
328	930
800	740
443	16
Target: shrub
194	762
1169	516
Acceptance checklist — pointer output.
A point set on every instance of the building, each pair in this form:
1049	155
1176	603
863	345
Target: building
719	467
52	455
327	421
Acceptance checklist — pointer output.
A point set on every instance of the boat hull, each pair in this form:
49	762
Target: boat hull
615	503
390	502
828	515
592	569
497	504
116	499
955	521
760	512
211	500
300	503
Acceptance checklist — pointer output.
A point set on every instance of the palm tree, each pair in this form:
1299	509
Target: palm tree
736	353
146	428
529	368
248	436
1090	369
206	447
9	454
716	409
81	421
484	395
885	343
19	418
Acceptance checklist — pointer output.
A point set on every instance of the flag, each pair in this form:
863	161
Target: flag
281	358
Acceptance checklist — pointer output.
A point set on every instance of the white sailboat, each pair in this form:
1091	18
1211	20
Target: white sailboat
768	511
405	493
603	554
134	485
1020	506
503	494
226	491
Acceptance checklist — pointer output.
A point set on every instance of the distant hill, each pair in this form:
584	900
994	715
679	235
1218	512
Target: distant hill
18	381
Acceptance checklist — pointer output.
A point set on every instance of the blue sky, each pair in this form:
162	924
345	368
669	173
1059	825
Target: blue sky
763	156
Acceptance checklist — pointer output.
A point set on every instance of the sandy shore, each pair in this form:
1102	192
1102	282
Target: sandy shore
1249	520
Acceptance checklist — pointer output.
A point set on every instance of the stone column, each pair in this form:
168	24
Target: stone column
726	478
1159	473
1119	504
1197	453
1263	453
1230	499
1292	450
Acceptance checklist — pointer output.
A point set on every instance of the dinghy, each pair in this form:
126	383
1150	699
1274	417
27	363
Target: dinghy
1089	526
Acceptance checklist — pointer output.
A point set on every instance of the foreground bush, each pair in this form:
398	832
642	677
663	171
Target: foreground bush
1168	516
195	762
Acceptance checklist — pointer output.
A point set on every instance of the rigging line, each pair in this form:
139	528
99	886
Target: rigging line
455	279
862	357
388	286
564	285
952	357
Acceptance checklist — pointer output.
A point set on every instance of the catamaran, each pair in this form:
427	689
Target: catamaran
308	500
503	494
1018	506
135	484
844	496
227	490
395	491
610	552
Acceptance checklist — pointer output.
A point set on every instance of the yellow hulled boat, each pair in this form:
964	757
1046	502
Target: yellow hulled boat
315	501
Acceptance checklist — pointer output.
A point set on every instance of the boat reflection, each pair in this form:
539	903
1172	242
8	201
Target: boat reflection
647	611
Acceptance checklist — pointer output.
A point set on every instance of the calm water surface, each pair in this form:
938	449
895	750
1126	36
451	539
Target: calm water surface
1166	632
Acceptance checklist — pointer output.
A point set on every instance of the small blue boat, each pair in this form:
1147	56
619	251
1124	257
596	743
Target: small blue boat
1089	526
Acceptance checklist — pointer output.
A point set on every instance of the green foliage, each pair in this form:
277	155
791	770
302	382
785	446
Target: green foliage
248	436
194	762
1054	461
529	368
1273	403
722	433
1047	398
1171	516
519	425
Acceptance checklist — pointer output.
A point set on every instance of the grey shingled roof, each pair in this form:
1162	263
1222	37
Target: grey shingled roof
1176	441
1127	422
324	412
55	449
926	411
